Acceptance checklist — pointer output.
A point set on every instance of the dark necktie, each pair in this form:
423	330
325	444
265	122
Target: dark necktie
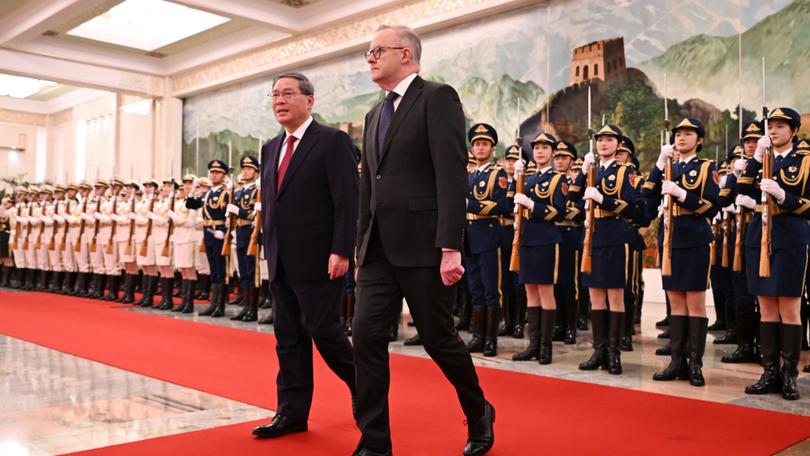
285	162
386	116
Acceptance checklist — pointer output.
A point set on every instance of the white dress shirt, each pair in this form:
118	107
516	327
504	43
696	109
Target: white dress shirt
401	88
299	133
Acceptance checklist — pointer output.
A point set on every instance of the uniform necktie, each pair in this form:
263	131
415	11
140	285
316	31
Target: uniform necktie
285	162
386	116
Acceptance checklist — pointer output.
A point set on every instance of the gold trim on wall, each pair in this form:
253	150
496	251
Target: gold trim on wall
23	118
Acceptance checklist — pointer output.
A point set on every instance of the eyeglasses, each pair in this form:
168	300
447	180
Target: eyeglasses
377	51
286	95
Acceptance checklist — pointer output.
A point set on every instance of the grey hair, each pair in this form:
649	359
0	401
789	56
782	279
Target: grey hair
304	84
409	37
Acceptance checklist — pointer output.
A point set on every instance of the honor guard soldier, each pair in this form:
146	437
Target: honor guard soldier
786	198
66	253
92	229
513	293
566	290
58	267
541	206
642	218
160	234
615	202
145	252
693	192
124	237
18	235
214	204
584	300
80	246
184	244
720	275
743	320
6	207
34	229
201	261
106	241
45	238
243	209
486	204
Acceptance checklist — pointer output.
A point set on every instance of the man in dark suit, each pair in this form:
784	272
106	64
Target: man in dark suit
411	224
309	195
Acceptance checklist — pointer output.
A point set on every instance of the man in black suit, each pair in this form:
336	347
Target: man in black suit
309	196
411	224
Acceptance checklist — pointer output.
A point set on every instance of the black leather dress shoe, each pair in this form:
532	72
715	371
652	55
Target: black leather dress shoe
366	452
415	340
281	425
481	434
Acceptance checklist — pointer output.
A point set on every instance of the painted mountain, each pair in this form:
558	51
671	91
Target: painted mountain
706	66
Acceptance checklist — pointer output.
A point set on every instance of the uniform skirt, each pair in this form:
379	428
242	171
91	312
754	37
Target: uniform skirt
4	250
184	254
609	267
690	269
539	264
788	269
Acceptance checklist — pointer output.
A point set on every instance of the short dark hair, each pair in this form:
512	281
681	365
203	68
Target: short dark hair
304	84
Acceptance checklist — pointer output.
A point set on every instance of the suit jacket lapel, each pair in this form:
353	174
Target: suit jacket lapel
408	100
270	164
371	149
304	147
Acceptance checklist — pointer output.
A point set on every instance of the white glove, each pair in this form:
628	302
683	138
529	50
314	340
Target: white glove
762	146
671	188
87	217
666	153
723	181
739	167
104	219
117	218
730	208
59	218
257	207
219	234
97	215
48	221
746	202
228	183
233	209
587	162
772	188
524	201
132	216
520	167
592	193
152	216
173	215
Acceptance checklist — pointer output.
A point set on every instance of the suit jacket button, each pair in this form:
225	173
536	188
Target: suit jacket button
378	177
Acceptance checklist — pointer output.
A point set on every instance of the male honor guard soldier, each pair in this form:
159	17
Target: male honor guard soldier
184	240
79	240
513	293
213	205
45	238
584	299
486	203
463	299
200	260
566	290
18	233
6	206
243	209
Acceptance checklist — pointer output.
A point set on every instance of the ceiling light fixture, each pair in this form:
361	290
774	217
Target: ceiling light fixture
147	24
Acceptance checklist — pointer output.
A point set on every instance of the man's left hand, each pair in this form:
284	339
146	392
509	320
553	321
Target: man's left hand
451	269
338	265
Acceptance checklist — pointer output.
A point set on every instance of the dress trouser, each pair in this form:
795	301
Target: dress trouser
381	287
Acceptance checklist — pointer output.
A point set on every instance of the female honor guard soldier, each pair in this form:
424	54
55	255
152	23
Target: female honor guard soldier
184	240
19	227
144	236
486	203
123	240
780	294
160	234
616	201
541	206
694	194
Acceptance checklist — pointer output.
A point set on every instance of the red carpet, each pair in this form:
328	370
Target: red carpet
535	414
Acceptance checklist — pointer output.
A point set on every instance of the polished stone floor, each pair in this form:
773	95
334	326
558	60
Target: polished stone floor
55	403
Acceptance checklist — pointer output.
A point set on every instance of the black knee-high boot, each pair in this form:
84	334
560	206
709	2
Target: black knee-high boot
203	287
614	343
697	345
746	329
599	358
217	290
583	306
252	305
791	349
628	327
520	315
548	322
479	324
184	284
167	292
533	350
150	287
129	289
677	368
770	381
491	338
245	290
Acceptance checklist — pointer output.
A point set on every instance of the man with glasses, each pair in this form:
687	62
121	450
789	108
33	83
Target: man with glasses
309	195
411	226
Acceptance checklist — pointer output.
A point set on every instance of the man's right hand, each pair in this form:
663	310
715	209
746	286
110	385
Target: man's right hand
451	269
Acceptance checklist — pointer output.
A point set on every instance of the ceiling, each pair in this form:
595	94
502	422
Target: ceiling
37	31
